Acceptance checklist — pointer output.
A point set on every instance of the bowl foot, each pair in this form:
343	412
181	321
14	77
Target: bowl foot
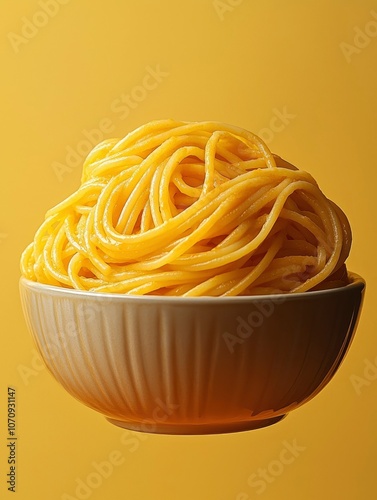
188	428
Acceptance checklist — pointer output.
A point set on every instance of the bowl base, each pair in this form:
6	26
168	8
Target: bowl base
186	428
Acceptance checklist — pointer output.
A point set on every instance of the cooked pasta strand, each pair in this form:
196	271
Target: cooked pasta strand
191	209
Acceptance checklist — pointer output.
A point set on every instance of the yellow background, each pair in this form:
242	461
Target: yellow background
243	62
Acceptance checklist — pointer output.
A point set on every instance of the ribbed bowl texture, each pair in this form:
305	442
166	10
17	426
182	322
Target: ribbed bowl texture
192	365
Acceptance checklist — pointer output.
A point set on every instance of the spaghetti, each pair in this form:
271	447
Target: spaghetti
190	209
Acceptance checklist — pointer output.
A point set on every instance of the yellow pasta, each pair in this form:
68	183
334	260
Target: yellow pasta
191	209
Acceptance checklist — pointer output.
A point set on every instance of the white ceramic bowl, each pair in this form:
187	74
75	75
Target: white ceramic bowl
192	365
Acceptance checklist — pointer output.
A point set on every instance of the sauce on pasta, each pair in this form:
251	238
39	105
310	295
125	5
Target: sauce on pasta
191	209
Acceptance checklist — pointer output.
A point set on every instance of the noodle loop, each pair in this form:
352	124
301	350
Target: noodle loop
191	209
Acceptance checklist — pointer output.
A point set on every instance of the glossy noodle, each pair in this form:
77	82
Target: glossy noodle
191	209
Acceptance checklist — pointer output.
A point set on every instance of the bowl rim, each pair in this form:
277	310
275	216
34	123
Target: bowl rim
356	283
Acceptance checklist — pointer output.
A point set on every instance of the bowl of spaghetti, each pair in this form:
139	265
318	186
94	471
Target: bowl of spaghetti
194	283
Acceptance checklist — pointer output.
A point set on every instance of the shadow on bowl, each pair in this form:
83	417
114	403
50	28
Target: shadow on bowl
201	365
